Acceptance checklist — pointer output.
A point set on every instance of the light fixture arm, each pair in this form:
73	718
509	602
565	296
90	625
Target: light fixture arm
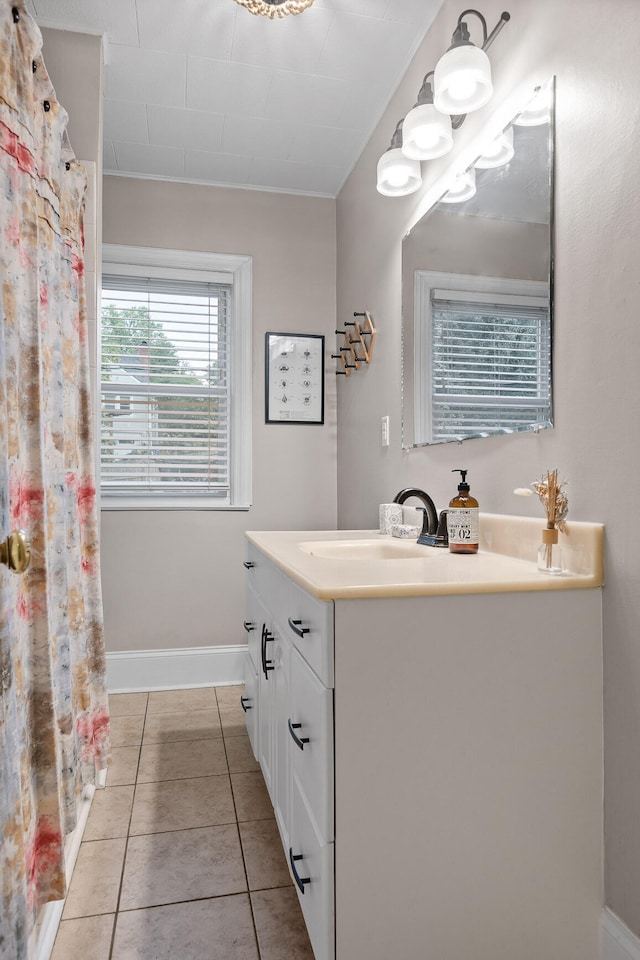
396	139
504	19
425	94
461	33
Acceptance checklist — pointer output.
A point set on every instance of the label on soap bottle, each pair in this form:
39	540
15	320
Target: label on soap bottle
463	524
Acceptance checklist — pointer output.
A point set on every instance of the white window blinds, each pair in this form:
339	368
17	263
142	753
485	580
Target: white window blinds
491	370
165	384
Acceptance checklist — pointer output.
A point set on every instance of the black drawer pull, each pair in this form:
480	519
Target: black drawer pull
299	741
267	665
297	629
248	564
249	626
296	876
243	703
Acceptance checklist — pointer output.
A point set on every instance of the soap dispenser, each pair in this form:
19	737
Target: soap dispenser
463	519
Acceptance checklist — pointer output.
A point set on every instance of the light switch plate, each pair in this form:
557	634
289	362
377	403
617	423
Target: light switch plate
384	423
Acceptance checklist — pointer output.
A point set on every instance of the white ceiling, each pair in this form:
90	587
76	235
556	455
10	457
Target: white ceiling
202	90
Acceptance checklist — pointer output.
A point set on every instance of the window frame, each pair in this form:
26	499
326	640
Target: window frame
426	281
237	271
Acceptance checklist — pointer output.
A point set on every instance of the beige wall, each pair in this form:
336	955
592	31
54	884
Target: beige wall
597	343
173	579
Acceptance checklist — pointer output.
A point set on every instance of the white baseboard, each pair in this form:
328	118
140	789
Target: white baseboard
618	942
134	670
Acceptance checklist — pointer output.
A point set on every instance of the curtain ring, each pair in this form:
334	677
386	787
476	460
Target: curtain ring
46	105
15	13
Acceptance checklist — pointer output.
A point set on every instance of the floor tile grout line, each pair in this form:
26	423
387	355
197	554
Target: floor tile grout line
244	861
214	896
204	826
126	845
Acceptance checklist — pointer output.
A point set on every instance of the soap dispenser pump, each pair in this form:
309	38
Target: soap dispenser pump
463	519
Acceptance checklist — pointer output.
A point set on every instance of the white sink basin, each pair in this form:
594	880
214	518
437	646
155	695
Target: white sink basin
366	550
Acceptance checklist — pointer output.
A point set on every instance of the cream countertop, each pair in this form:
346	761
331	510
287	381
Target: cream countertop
505	562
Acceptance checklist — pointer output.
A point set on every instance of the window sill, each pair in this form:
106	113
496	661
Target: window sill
164	503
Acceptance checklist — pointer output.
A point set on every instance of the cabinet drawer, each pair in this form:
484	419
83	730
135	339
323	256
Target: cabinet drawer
311	861
249	701
309	624
267	580
310	724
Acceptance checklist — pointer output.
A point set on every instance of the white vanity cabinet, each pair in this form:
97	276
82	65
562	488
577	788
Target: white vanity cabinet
294	742
445	796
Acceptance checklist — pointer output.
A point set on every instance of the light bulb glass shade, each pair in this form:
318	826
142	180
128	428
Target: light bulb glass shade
275	9
537	111
497	153
462	80
426	133
397	174
464	187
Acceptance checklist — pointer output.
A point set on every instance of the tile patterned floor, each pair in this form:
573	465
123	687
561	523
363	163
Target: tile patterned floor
181	857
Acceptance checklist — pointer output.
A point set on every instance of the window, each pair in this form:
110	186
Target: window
175	379
489	367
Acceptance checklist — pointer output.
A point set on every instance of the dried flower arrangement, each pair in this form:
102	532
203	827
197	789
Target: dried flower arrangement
556	506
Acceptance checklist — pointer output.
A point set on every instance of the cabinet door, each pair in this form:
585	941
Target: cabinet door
311	865
281	752
255	616
266	698
310	728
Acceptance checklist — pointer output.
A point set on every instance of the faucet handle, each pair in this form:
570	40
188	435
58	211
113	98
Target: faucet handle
425	521
442	533
438	539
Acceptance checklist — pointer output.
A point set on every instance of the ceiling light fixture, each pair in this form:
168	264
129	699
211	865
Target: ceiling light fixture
275	9
398	175
460	84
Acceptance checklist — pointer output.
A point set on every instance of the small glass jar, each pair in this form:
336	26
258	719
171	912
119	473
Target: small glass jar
549	553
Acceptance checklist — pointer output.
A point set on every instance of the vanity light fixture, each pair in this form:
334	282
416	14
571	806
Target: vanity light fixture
460	83
462	78
498	153
398	175
463	188
426	132
275	8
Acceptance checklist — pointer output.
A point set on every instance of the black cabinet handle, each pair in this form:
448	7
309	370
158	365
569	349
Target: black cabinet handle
299	741
248	564
296	876
267	665
243	703
297	628
249	626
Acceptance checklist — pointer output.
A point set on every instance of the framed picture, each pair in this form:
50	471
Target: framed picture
294	378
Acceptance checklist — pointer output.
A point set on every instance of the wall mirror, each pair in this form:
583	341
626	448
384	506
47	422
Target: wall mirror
477	293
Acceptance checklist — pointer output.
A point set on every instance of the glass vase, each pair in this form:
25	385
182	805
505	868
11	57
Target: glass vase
549	553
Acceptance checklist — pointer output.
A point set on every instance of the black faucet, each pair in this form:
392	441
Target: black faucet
434	529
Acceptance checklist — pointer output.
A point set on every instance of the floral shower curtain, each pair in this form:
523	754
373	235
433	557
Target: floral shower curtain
53	704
